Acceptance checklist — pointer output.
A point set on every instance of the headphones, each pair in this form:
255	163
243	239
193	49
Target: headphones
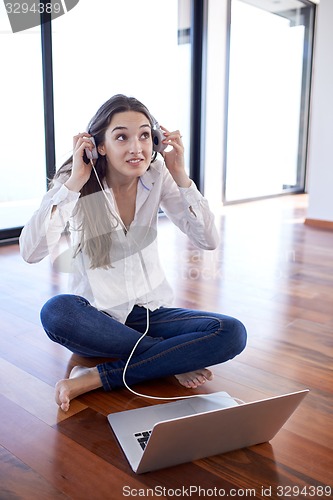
157	137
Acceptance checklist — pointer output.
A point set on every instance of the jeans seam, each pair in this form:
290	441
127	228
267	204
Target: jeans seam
156	322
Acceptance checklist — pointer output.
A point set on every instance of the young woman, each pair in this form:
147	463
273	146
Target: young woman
109	206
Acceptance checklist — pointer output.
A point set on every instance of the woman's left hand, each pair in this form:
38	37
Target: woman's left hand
174	159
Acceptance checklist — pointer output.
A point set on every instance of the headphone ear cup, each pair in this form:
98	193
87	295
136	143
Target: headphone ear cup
158	137
93	154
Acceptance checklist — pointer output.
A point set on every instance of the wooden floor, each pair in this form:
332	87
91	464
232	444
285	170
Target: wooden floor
272	272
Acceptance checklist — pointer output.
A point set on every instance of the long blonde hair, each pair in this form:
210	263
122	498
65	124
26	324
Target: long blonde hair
95	219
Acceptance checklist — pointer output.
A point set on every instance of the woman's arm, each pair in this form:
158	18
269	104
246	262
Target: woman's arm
43	231
174	159
182	201
190	211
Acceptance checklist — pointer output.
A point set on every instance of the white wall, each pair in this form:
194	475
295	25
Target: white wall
320	163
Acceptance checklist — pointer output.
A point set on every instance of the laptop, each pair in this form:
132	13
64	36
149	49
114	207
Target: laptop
169	434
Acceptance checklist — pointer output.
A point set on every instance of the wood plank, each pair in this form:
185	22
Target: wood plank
320	224
33	395
67	466
18	480
269	464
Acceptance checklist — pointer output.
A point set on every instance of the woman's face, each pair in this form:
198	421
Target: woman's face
128	145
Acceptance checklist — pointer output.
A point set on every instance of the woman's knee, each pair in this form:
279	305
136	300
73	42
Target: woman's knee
239	335
233	336
57	310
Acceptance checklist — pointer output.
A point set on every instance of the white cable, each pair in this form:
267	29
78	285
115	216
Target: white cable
147	329
159	397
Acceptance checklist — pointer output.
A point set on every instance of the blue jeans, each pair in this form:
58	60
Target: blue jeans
178	340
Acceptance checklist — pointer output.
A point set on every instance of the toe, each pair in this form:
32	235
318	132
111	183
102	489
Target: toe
208	374
64	406
191	384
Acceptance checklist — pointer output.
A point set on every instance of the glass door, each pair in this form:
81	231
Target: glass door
23	181
269	79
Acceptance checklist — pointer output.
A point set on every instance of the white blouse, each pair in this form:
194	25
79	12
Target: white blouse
136	276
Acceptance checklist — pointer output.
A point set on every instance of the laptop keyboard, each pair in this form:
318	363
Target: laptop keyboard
142	438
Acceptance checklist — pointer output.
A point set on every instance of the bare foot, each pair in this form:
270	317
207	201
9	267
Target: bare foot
194	379
80	381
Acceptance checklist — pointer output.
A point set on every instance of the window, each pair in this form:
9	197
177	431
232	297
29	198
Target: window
22	125
270	63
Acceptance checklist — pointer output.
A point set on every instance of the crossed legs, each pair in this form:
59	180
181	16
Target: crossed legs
179	342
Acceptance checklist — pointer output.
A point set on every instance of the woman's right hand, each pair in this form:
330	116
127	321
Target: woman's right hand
80	170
